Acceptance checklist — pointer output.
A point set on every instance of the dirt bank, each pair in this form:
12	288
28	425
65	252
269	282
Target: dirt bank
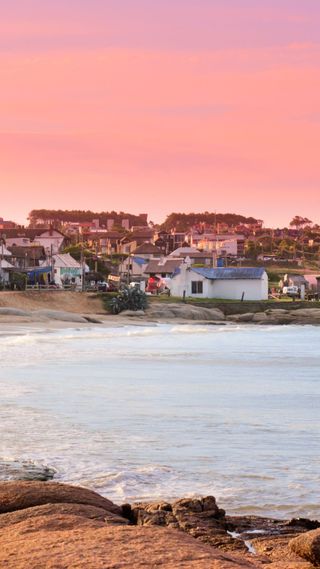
76	302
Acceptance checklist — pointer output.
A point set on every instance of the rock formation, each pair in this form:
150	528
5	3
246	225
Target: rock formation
46	525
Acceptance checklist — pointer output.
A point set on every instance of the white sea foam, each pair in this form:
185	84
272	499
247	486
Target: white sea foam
164	411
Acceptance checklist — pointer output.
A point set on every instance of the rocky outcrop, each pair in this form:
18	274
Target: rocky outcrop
55	526
24	470
279	316
168	311
21	495
44	314
68	542
307	546
201	518
62	509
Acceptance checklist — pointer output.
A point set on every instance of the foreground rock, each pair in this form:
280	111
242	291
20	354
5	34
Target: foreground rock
21	495
55	526
307	546
65	542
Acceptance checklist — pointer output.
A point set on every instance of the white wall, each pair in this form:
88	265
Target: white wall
254	289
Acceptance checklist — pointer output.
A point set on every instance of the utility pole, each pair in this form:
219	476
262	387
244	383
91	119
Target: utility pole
82	262
128	271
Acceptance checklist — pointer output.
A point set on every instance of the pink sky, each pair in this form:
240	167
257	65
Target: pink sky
176	106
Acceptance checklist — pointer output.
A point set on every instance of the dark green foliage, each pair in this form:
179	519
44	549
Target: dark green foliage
183	221
18	281
129	298
57	217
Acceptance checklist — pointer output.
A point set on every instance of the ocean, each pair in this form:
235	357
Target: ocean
165	411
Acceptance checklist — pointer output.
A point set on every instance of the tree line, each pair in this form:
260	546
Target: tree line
183	221
59	216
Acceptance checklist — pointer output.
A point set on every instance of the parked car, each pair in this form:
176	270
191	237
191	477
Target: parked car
291	291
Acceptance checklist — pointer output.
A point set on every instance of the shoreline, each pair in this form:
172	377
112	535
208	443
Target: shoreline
48	308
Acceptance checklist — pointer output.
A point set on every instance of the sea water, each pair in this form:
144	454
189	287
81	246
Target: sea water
166	411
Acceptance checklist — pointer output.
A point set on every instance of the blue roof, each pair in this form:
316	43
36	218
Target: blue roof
140	261
230	273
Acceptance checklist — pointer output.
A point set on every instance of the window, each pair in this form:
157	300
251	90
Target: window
196	287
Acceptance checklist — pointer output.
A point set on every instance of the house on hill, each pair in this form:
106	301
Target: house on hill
196	257
138	260
27	256
52	240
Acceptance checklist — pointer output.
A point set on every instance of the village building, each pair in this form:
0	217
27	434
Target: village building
135	264
5	268
196	257
52	240
291	279
132	240
164	268
231	283
223	245
168	241
67	271
62	270
24	257
5	224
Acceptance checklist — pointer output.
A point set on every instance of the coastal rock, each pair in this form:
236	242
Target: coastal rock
201	518
66	509
71	542
132	313
21	495
246	317
307	546
50	525
185	312
260	317
60	315
307	314
7	311
24	470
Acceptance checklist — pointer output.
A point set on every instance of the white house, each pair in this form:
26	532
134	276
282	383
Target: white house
231	283
52	240
5	267
4	264
66	270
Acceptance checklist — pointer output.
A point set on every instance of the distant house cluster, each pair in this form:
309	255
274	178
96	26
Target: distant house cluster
199	259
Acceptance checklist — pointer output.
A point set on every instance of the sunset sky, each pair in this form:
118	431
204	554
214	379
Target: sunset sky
160	106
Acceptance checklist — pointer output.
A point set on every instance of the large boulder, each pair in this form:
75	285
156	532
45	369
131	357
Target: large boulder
80	510
71	542
307	546
22	494
201	518
60	315
184	311
7	311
